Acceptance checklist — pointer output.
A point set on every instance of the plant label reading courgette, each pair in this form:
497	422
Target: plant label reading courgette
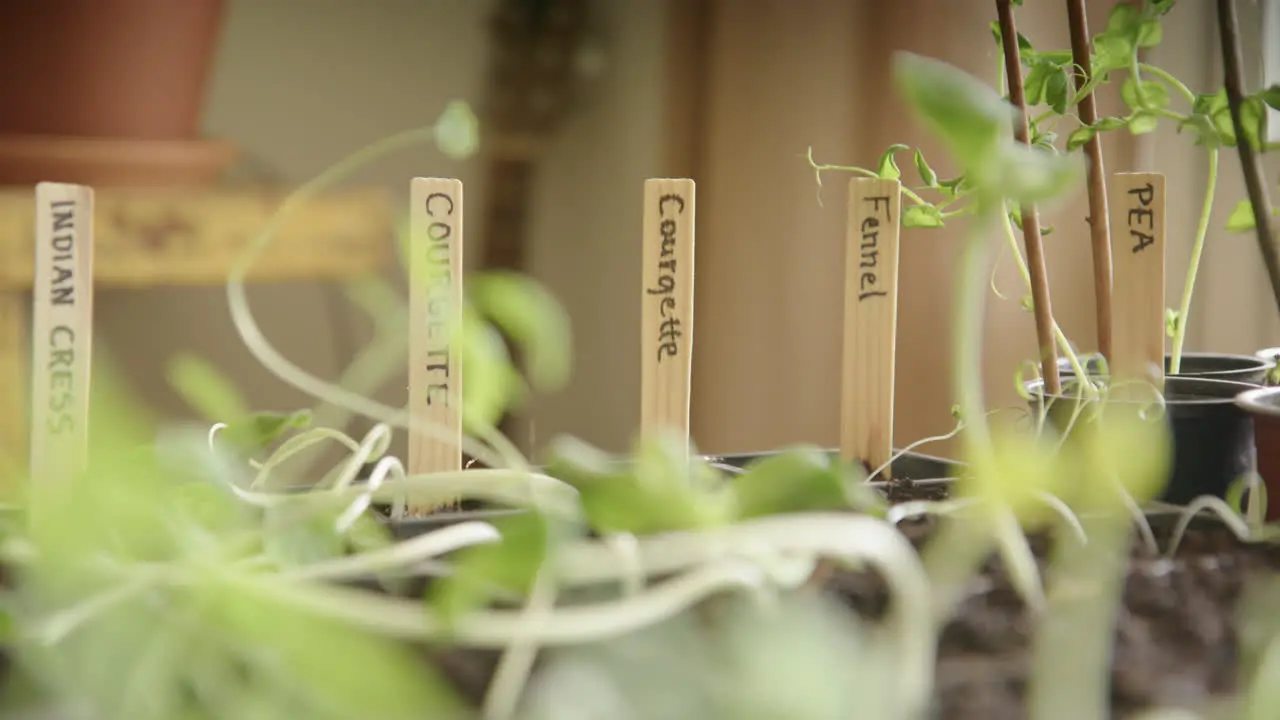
1138	305
870	321
435	318
61	331
667	305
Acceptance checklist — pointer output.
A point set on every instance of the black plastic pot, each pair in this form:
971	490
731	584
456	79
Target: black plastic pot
1215	366
1213	440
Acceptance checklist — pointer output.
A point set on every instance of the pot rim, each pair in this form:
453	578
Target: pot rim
1256	361
1227	397
1255	402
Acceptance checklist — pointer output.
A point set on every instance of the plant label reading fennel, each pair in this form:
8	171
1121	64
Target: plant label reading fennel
61	331
1138	305
870	320
667	311
435	316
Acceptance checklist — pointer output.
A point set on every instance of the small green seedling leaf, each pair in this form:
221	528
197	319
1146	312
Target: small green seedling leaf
1151	95
1055	89
969	117
798	479
888	167
457	131
653	495
480	571
1170	322
1080	137
1028	303
1150	33
530	315
927	175
1142	122
1270	96
492	383
922	216
205	389
254	433
1253	120
1241	218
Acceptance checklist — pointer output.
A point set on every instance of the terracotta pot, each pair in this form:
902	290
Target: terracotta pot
1263	405
127	69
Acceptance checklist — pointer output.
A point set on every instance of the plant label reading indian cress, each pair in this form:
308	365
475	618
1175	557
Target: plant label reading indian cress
667	311
1138	315
871	321
62	323
435	314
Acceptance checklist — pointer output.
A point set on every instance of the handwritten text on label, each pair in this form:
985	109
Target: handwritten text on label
869	248
440	207
1142	214
669	330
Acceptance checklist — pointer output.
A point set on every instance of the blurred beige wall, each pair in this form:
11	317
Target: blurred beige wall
301	85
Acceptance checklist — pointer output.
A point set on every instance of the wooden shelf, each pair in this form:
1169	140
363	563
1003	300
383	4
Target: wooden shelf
149	238
166	238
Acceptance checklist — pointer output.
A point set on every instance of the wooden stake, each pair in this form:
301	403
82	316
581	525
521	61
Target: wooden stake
666	339
1137	203
1099	217
1031	237
61	334
435	313
870	320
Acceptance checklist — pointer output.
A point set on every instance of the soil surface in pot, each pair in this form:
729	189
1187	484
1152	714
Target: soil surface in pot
1176	641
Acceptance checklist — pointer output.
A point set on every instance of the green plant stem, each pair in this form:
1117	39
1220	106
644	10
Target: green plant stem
1060	336
1170	79
1193	266
1071	666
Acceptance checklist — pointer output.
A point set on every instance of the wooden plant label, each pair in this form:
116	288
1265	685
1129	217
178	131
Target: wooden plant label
666	340
870	321
435	312
61	333
1138	322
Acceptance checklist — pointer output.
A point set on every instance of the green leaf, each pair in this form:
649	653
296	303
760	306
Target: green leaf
1241	218
205	389
1153	95
798	479
954	186
969	117
457	131
1055	89
656	494
1027	174
1107	124
1253	120
1150	33
1027	303
1033	85
927	175
1124	20
1270	96
1170	322
1080	137
922	216
480	571
1015	212
492	383
1141	123
888	168
255	432
534	320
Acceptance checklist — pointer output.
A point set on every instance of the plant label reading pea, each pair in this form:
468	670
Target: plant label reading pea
667	305
870	321
61	332
1138	314
435	316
